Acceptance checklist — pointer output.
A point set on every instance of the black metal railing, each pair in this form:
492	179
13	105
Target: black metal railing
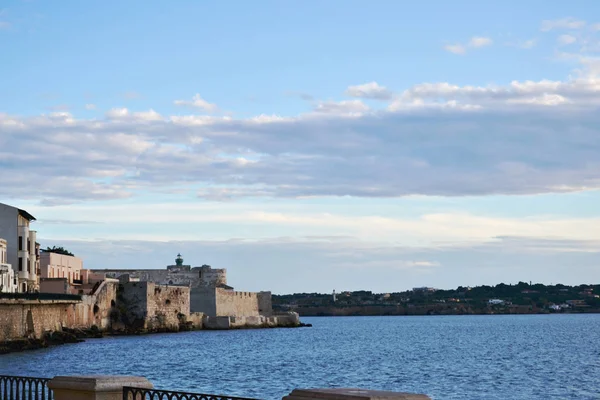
24	388
40	296
131	393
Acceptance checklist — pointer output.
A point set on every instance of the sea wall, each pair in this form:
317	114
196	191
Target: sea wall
21	318
27	318
289	319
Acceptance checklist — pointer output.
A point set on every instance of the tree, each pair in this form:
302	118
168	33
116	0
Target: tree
59	250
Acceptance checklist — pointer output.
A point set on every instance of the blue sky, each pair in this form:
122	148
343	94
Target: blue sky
374	145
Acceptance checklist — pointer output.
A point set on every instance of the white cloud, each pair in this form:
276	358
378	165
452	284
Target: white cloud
566	39
564	23
479	41
371	90
595	27
5	25
545	99
435	139
474	43
125	114
455	48
90	106
341	107
197	102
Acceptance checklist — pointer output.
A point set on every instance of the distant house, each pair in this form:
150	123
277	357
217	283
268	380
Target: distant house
496	302
424	289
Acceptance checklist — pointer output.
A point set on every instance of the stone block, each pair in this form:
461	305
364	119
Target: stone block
94	387
351	394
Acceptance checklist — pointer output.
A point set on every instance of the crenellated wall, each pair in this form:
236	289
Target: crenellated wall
232	303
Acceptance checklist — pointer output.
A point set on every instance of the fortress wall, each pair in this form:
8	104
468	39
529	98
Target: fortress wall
209	276
95	309
166	303
231	303
160	276
265	304
155	306
203	300
196	277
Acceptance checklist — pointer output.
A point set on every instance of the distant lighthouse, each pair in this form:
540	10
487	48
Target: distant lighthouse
334	299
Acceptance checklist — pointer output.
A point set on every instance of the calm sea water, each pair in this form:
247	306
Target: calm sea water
446	357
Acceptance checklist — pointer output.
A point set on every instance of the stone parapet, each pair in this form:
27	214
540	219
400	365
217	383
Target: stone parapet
94	387
351	394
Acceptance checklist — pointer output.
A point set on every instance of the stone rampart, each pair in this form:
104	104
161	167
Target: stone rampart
238	304
21	318
147	305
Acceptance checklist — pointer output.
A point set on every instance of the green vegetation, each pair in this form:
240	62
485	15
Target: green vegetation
58	250
505	299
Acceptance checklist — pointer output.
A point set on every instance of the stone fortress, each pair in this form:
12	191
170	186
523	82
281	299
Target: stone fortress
209	295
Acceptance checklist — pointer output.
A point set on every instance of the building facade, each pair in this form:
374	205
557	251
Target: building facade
54	265
8	284
20	246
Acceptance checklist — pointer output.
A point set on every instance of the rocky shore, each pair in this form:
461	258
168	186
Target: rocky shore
50	339
67	335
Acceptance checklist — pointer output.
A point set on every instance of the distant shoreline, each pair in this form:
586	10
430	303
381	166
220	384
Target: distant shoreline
446	315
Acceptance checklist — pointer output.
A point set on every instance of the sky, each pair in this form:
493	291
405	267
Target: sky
309	146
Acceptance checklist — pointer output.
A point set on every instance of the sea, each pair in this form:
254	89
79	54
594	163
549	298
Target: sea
446	357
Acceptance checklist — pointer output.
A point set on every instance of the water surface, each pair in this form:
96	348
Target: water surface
446	357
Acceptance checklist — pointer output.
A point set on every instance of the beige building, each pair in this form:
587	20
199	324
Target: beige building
20	246
54	265
8	283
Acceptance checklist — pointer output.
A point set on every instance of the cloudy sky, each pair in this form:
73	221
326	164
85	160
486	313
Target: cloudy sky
309	145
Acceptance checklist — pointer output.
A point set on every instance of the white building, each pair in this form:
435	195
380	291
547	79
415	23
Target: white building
8	283
495	302
20	246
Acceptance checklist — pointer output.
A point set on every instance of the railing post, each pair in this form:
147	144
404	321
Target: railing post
351	394
94	387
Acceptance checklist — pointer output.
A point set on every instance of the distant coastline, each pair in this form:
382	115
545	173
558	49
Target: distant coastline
502	299
426	311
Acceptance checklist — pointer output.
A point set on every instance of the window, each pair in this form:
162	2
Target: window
20	263
28	245
20	243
